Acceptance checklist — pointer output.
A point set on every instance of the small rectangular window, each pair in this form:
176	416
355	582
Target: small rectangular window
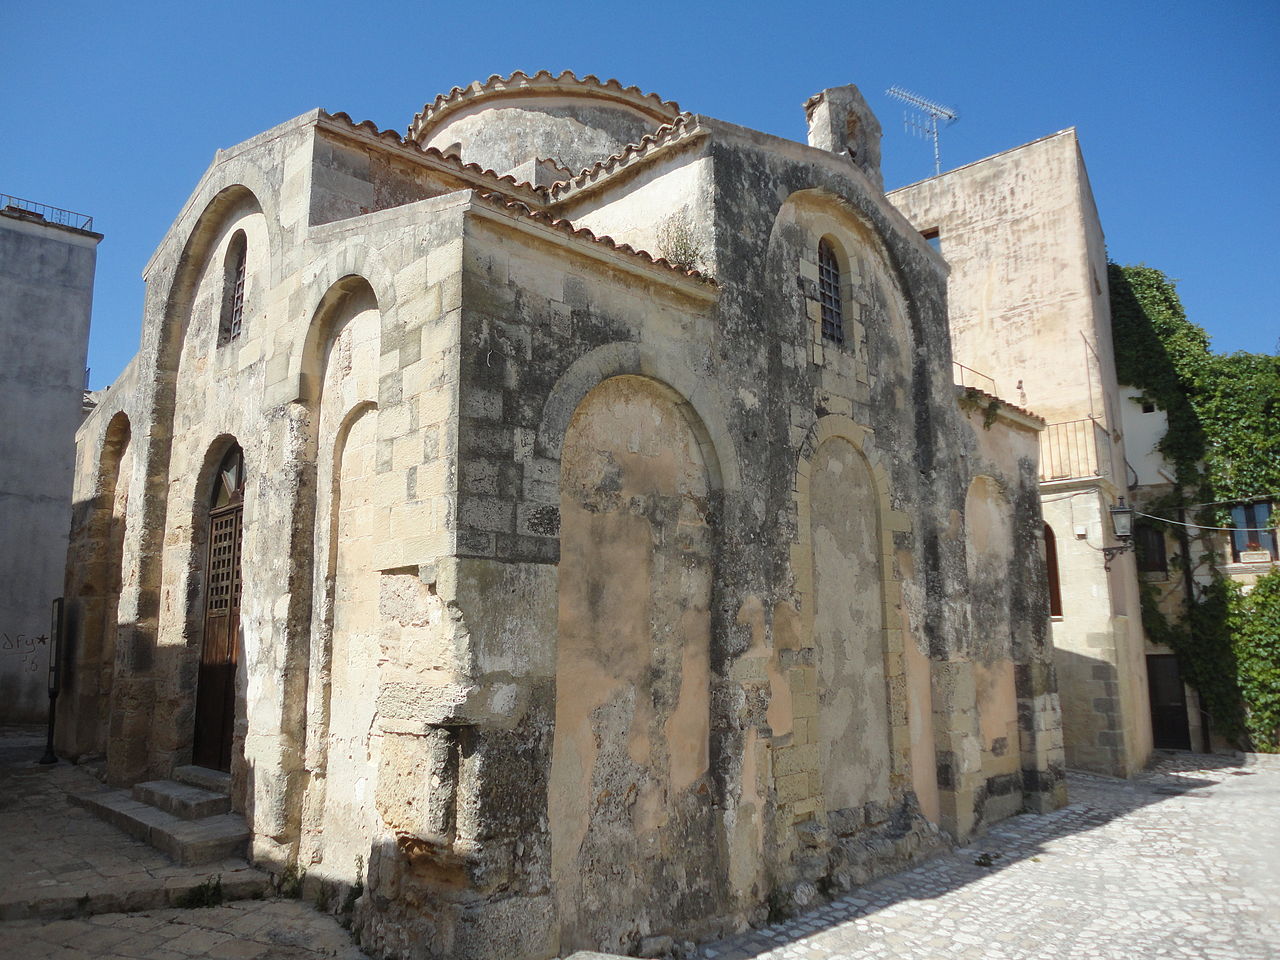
934	236
1148	542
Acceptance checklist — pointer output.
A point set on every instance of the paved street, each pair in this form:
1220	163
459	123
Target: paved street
1183	862
67	878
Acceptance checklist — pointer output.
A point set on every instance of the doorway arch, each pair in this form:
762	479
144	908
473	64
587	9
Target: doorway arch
220	641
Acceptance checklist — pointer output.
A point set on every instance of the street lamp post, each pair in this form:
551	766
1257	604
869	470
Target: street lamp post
1122	527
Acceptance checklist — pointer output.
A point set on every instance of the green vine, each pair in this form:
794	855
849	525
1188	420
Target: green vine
1223	445
973	400
1255	630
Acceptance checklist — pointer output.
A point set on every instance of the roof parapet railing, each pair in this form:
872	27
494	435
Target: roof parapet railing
964	376
66	218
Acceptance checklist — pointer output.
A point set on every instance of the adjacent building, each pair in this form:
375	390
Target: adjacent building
47	259
1030	321
1242	554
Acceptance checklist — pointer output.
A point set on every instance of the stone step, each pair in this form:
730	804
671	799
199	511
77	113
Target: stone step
215	781
182	799
186	841
235	878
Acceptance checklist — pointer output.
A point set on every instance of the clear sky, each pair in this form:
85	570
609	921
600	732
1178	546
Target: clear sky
115	110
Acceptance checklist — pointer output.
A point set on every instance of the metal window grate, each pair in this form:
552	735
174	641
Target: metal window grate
829	293
224	563
237	298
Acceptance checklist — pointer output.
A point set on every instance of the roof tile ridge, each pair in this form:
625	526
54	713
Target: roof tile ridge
569	228
474	169
476	88
971	391
683	125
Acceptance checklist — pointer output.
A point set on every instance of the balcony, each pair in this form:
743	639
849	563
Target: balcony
1074	449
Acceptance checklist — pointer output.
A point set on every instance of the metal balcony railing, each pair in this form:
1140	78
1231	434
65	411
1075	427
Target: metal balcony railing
66	218
1075	448
964	376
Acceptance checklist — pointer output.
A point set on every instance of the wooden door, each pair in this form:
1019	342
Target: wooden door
216	685
1170	728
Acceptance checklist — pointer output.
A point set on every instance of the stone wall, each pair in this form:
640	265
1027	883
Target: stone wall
575	585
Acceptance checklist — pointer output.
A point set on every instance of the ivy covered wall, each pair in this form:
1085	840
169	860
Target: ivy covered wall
1223	443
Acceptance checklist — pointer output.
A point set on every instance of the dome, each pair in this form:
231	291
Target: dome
507	121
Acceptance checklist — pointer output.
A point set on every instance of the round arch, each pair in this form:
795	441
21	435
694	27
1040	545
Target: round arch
834	427
361	273
822	215
224	190
672	376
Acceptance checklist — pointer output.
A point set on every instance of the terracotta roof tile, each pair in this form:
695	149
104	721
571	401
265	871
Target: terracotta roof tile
567	227
683	126
544	79
472	170
983	395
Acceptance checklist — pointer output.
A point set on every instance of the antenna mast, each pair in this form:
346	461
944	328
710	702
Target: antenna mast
925	125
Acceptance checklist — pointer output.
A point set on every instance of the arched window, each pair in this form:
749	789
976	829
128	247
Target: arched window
1051	570
216	682
233	289
829	293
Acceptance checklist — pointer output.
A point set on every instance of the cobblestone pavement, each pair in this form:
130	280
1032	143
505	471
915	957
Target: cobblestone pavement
66	879
1181	862
243	930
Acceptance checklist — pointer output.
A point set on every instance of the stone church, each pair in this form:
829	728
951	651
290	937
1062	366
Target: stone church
561	526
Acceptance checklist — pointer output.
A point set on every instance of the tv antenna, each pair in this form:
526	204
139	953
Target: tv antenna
925	122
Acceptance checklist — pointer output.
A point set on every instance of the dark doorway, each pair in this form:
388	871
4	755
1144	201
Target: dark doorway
216	686
1169	726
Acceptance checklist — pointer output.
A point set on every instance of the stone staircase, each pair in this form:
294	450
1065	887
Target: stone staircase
188	818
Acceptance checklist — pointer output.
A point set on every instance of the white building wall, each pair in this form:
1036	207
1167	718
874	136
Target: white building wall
46	291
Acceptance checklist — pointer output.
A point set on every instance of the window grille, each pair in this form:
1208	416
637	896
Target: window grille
829	293
233	290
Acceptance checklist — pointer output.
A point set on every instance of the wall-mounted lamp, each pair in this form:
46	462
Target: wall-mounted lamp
1122	527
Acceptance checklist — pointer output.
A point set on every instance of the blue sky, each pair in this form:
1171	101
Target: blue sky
115	110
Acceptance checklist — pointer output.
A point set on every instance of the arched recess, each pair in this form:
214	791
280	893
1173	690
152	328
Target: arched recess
198	263
94	586
635	839
991	563
353	268
988	523
855	716
665	372
339	818
871	282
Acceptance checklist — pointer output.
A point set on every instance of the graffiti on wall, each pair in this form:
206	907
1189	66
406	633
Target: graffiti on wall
28	651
